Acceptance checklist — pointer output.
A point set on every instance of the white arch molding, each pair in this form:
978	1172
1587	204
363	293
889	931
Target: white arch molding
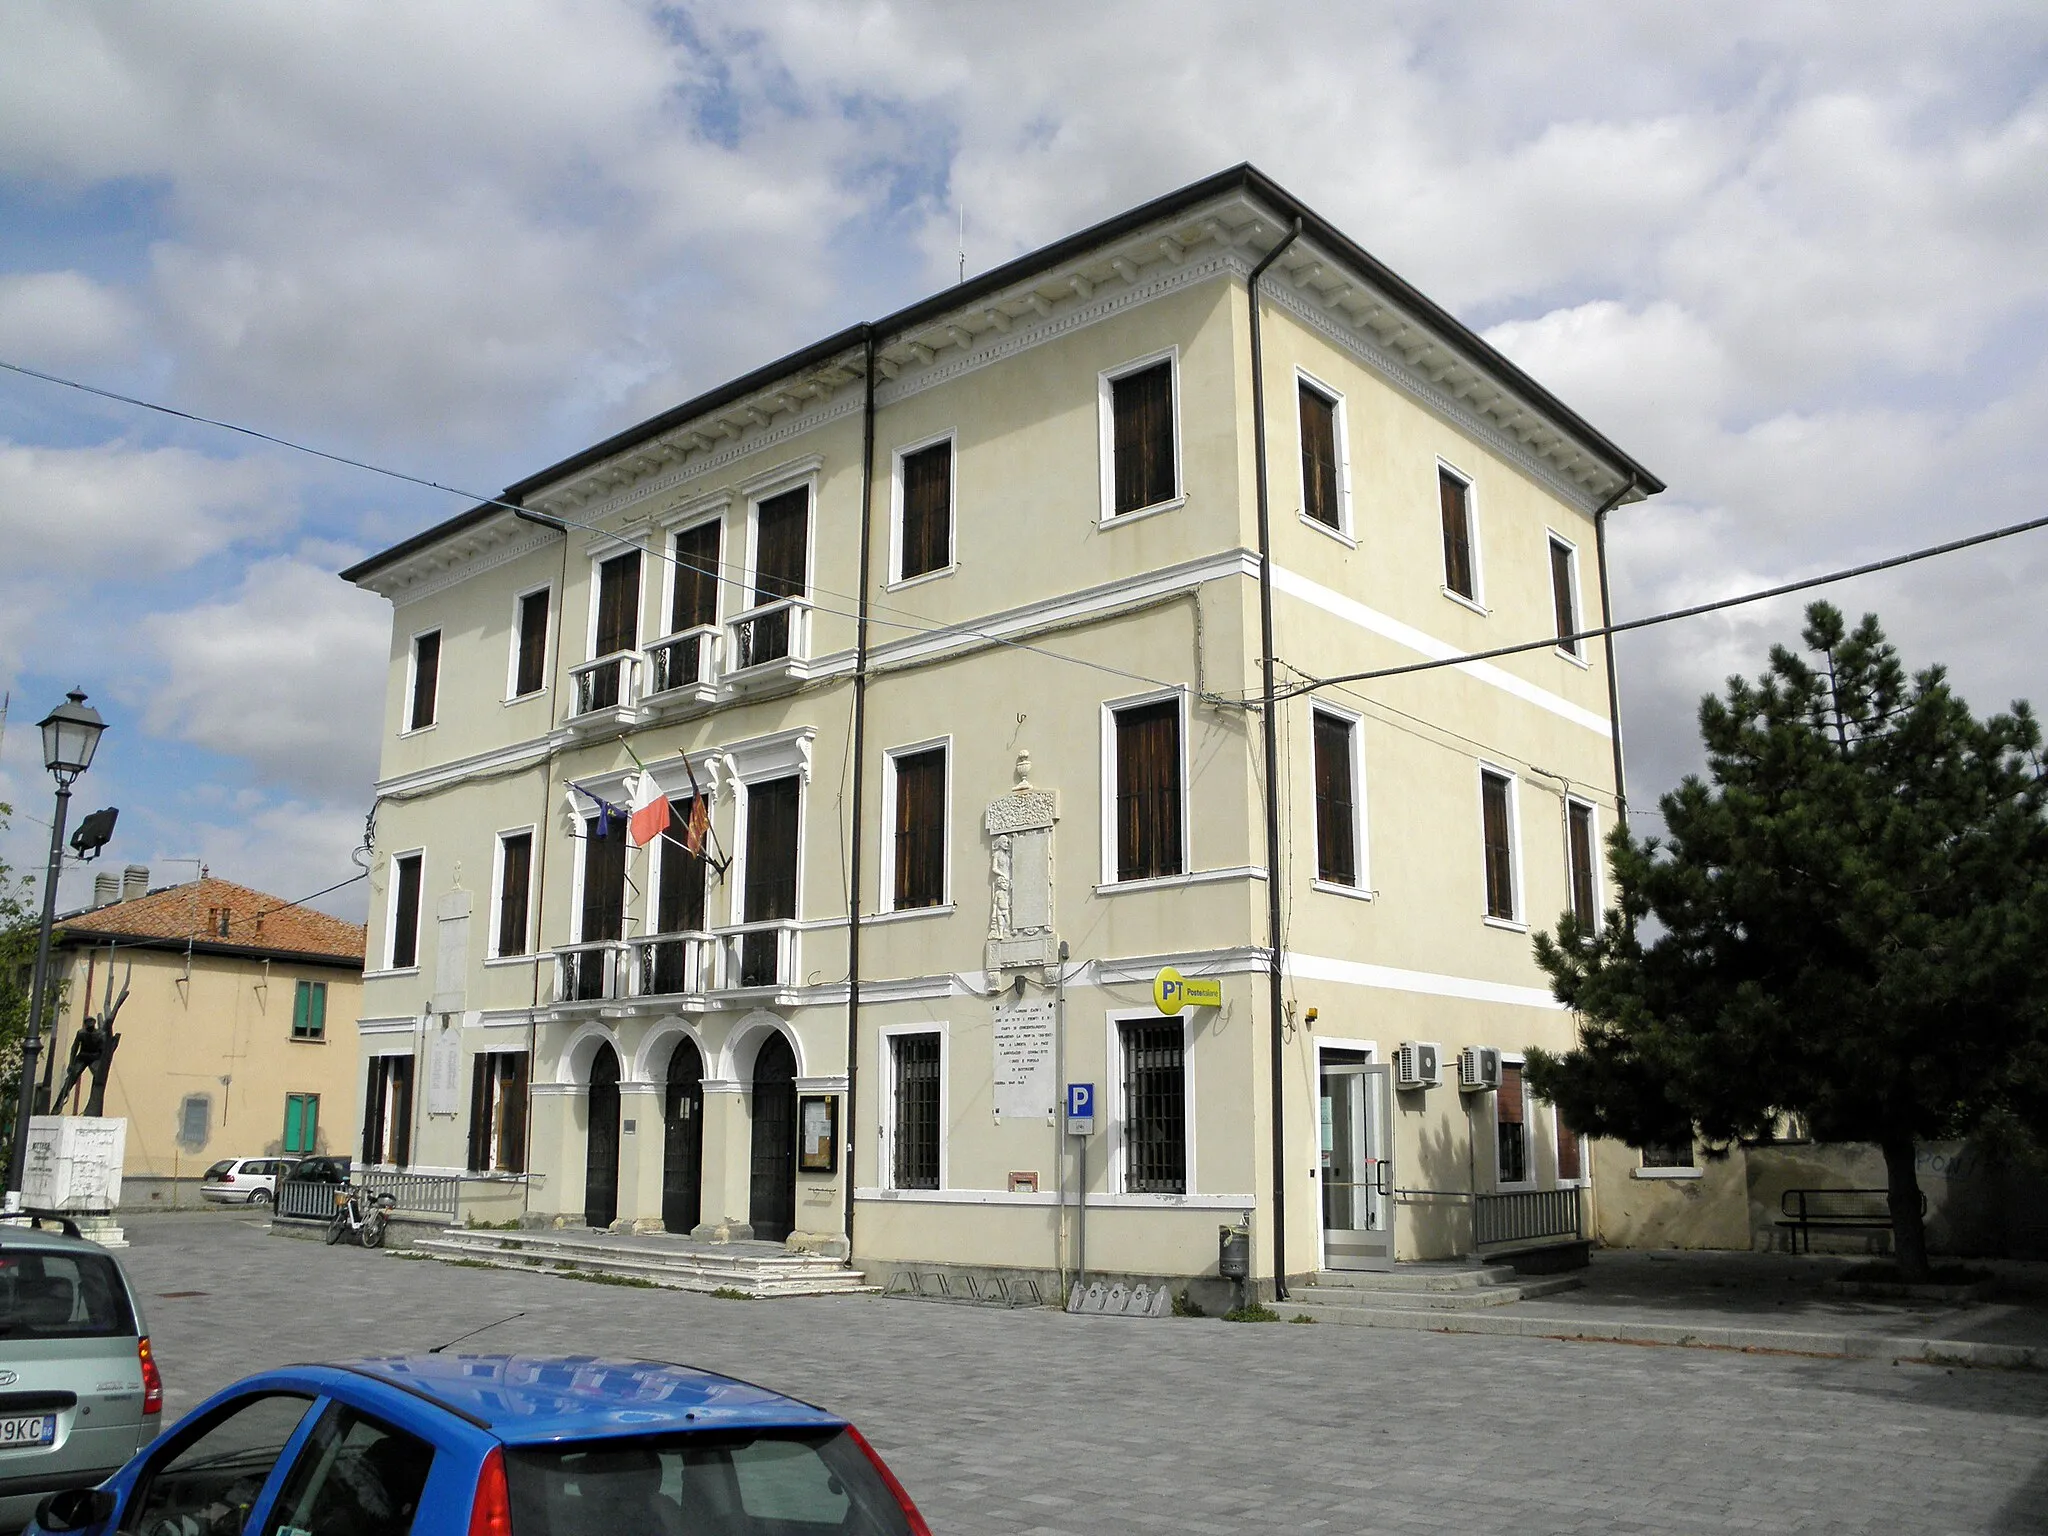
658	1046
743	1044
572	1068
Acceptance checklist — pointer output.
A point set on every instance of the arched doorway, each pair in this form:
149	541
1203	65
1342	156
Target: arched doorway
682	1147
601	1146
772	1210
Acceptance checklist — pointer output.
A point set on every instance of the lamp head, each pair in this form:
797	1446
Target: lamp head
71	732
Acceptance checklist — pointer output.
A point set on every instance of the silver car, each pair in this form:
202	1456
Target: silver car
79	1390
243	1180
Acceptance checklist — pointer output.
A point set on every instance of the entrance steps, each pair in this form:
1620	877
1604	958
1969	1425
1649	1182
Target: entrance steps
755	1270
1353	1296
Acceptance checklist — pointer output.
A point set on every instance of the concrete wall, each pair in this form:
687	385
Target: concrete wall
1980	1204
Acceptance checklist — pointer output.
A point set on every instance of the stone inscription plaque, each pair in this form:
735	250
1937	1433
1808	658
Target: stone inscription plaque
1024	1060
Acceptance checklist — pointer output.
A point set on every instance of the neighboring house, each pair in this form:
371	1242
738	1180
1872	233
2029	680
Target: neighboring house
990	680
238	1038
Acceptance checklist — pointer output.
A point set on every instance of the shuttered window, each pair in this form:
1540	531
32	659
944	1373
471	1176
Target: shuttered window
1509	1122
1336	802
405	913
1456	497
1155	1128
426	680
915	1154
309	1011
1141	410
497	1113
1148	791
515	879
927	510
604	880
681	896
772	811
301	1124
1564	598
696	592
780	539
920	849
1497	826
1579	842
387	1111
1319	488
618	604
530	671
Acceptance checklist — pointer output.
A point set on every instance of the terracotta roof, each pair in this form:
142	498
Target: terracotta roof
218	912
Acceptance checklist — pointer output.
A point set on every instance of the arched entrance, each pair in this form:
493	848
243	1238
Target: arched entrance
772	1209
601	1146
682	1147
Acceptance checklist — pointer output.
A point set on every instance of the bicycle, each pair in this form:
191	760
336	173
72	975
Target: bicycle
362	1214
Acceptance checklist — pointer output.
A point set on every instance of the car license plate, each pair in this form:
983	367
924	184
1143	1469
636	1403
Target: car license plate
34	1429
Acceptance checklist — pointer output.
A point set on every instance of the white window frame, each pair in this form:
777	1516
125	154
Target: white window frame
1574	653
547	647
611	550
885	1121
1640	1171
532	830
1477	601
1110	709
767	488
1593	849
1361	844
671	531
1533	1179
1106	427
1343	532
1519	923
412	679
391	912
1557	1124
897	580
885	903
1113	1092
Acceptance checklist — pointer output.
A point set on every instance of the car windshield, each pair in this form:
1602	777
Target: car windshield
774	1483
220	1169
49	1295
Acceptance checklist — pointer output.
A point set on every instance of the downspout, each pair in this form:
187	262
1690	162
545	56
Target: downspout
1269	708
1607	619
860	733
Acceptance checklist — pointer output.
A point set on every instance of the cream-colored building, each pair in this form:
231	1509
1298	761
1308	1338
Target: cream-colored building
954	623
238	1035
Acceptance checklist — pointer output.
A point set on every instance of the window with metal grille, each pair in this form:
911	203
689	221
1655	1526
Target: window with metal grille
1497	819
309	1011
1148	791
1579	844
1564	595
1668	1154
695	601
405	912
1511	1128
1456	498
1336	802
515	880
530	670
1155	1127
426	680
618	604
920	849
914	1157
927	536
1319	472
1141	411
497	1113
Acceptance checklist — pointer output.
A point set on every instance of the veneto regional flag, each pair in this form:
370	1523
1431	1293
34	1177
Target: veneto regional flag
650	811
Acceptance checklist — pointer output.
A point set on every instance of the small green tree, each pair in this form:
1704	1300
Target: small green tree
1849	923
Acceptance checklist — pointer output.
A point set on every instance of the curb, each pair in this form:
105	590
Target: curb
1612	1330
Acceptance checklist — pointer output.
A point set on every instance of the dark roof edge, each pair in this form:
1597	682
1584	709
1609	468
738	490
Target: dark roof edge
85	937
1244	177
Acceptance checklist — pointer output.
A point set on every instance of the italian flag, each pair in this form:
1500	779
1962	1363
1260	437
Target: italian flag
650	810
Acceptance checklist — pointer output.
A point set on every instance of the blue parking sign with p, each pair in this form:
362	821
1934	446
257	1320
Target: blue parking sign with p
1081	1104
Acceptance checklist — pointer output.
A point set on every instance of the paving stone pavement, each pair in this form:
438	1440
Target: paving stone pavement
1035	1422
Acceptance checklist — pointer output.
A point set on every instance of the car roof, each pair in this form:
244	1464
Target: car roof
21	1237
536	1399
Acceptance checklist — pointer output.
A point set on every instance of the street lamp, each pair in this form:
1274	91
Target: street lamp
71	732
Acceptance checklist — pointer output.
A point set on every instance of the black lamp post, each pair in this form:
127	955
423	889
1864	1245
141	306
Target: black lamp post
70	733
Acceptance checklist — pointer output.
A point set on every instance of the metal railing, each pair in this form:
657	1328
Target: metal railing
669	963
593	972
686	660
762	954
607	683
1525	1216
307	1200
777	631
417	1194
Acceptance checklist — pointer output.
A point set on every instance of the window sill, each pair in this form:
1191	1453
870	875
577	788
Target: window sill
1355	893
1575	659
904	914
1519	1187
920	579
1664	1173
417	730
1320	526
1506	924
525	698
309	1039
490	960
390	972
1468	602
1172	882
1118	519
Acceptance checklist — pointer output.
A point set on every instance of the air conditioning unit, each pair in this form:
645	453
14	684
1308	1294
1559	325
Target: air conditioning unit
1418	1064
1478	1069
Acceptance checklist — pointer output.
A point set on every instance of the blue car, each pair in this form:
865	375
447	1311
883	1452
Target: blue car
497	1445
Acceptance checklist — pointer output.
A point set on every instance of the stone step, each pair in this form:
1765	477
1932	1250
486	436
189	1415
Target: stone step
1418	1277
762	1258
689	1270
1341	1304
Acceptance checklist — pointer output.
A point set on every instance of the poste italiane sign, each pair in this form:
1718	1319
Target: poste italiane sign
1172	992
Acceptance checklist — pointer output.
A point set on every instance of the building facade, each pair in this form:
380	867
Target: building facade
944	639
238	1033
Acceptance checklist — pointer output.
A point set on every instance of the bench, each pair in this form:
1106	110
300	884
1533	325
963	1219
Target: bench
1835	1210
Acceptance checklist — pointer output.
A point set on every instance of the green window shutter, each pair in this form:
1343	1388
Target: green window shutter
309	1126
301	1001
294	1119
317	1014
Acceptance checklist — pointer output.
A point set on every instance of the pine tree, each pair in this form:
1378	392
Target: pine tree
1848	923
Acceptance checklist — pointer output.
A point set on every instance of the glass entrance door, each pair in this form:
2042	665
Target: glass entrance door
1357	1166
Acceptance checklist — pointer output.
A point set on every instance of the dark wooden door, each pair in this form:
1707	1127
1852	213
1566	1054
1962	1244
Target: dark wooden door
682	1149
772	1211
601	1145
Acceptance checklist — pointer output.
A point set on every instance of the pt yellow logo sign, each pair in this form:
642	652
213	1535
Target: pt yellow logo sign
1172	992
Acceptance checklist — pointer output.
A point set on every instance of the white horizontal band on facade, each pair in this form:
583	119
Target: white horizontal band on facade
1051	1197
1388	978
405	1026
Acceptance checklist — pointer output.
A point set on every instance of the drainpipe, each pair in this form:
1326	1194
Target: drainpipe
1606	619
860	733
1268	710
540	881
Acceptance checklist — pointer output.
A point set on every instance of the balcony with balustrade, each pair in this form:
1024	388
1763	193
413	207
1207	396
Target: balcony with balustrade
683	669
604	692
769	645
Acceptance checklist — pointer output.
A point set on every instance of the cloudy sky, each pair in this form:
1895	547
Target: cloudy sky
1797	266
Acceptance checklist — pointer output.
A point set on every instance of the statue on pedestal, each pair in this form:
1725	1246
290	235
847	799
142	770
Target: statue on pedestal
92	1050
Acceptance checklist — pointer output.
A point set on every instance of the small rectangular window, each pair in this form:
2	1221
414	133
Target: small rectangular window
1141	410
915	1153
195	1117
618	605
301	1123
1155	1146
1564	595
695	602
920	849
1668	1154
497	1113
1148	791
309	1010
1511	1129
1497	816
927	510
530	672
1579	846
1456	496
1336	802
426	680
515	880
405	912
1319	471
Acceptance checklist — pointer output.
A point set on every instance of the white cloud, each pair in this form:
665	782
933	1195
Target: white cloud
56	318
120	512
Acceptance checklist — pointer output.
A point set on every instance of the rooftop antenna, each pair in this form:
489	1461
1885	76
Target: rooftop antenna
963	242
